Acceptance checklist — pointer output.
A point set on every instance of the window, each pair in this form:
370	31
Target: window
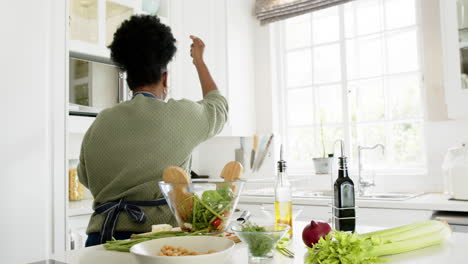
353	72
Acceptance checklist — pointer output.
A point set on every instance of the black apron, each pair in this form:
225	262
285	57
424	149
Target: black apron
112	211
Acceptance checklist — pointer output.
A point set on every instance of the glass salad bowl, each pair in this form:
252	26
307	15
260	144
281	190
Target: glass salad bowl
202	205
260	240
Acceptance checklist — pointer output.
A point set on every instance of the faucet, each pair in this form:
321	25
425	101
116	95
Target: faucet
363	184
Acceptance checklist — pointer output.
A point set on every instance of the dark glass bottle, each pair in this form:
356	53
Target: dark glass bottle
345	212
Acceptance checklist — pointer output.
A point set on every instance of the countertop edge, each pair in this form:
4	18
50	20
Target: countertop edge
426	202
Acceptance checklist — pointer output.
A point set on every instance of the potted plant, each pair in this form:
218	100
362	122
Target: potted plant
323	164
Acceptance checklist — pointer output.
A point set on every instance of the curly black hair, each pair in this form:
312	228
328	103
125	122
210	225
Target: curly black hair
143	46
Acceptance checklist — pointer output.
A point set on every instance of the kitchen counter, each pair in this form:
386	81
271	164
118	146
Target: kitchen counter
428	202
451	251
81	207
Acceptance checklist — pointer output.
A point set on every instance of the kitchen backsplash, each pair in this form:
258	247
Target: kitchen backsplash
211	156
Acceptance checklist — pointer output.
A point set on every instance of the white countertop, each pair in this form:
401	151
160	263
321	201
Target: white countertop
454	250
428	202
81	207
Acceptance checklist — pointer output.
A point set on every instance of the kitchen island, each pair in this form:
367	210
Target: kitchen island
454	251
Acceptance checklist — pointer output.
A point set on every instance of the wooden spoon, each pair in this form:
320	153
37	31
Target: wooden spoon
232	172
179	192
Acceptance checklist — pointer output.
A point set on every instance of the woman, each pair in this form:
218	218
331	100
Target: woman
128	146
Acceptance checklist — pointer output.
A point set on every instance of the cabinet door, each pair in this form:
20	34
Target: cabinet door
454	29
227	28
202	18
92	24
116	13
84	22
241	66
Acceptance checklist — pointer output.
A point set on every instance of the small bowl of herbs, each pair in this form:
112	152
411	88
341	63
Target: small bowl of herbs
261	240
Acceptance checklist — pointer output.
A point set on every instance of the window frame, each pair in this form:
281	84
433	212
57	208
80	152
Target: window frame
280	51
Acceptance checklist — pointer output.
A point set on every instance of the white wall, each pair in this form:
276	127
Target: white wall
29	108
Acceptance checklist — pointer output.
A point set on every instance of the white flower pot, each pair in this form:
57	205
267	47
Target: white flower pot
322	165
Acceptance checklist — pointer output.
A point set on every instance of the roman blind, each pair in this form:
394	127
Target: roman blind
268	11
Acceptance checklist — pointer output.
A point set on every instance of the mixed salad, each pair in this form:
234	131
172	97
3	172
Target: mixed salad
207	213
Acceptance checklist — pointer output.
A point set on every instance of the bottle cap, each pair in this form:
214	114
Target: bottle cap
281	163
342	163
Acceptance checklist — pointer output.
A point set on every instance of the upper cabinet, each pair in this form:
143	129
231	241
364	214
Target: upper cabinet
227	28
92	23
454	24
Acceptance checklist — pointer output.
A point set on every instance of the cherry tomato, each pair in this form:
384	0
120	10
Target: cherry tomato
217	222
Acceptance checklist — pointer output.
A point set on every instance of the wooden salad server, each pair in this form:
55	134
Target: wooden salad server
232	172
179	192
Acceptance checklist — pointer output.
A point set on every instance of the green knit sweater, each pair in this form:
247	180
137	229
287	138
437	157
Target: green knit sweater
128	146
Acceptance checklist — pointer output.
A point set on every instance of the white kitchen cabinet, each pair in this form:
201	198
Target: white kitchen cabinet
93	23
454	27
226	26
384	217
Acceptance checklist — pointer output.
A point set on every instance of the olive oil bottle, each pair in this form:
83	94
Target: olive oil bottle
344	200
283	196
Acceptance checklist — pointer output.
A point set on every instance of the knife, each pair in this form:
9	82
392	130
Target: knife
239	153
254	150
263	154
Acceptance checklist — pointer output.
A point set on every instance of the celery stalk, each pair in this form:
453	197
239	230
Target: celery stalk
396	230
406	232
417	238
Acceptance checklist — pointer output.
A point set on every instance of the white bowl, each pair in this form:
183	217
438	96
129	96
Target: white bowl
147	252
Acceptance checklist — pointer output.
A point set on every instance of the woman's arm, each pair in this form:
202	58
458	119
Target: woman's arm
206	81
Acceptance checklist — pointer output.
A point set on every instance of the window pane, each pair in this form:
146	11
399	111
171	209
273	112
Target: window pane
400	13
326	25
405	96
367	101
402	52
301	144
364	17
298	31
329	104
349	21
365	57
299	68
327	64
407	143
325	138
300	107
368	135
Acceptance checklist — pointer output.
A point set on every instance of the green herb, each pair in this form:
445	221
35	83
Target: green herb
259	243
342	248
251	227
346	248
